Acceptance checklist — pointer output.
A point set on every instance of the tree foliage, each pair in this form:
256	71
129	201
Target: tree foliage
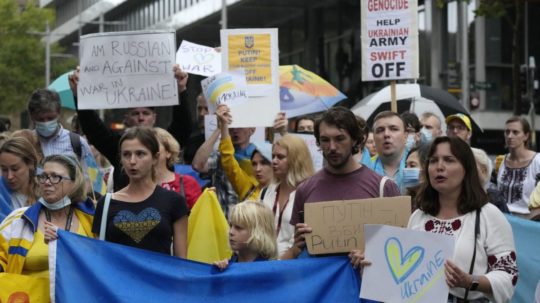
22	53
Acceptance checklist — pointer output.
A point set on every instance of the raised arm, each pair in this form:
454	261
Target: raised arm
181	126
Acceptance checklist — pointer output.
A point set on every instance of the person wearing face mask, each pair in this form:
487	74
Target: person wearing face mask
44	110
411	173
63	204
412	126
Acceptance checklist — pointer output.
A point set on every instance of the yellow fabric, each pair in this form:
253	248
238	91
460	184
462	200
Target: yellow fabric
208	230
19	288
498	161
36	263
236	173
19	235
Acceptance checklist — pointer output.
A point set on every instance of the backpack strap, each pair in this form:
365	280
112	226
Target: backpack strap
104	215
76	144
381	186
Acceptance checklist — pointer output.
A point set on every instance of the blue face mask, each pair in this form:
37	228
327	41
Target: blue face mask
65	201
425	136
410	142
411	176
47	129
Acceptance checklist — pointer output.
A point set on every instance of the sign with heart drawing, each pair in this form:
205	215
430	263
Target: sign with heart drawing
406	265
198	59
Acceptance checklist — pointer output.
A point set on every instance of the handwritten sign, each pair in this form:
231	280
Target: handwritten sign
389	40
198	59
127	69
406	265
338	226
256	51
228	88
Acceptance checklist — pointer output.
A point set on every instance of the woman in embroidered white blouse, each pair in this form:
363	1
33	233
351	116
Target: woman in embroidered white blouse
448	201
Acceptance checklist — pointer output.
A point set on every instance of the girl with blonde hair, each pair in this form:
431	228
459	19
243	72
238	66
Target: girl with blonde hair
251	235
291	165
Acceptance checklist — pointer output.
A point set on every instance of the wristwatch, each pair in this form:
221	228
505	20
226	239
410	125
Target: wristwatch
475	282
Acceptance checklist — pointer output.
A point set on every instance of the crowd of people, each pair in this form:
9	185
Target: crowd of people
263	187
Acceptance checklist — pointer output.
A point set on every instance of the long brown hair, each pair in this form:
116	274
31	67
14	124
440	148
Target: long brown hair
472	196
22	148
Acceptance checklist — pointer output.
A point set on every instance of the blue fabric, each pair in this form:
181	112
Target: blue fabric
244	154
17	250
188	170
528	259
377	166
5	200
366	158
89	270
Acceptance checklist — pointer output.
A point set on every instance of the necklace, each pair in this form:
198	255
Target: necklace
68	221
281	209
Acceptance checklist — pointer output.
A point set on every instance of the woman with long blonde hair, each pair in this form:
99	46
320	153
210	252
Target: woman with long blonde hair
291	165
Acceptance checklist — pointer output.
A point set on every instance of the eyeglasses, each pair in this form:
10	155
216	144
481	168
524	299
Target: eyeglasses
54	179
457	127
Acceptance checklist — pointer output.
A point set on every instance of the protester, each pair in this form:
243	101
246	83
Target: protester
411	172
32	137
304	125
291	165
390	139
197	138
516	177
244	185
142	214
485	166
106	141
451	201
431	123
18	186
169	154
252	234
370	145
459	125
339	137
412	127
63	204
44	110
208	162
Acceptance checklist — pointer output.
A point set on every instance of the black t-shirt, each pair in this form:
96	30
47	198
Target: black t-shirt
147	224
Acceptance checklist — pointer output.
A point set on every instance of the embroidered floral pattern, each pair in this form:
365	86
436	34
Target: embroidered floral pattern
443	227
511	184
506	263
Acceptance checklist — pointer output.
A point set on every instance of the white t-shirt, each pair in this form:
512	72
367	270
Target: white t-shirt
285	237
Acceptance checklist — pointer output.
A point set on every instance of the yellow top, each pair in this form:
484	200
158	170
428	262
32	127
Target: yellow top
36	263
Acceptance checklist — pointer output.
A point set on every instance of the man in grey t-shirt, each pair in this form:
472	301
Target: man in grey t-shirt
339	137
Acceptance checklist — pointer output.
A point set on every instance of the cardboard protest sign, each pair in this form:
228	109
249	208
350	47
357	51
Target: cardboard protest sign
406	265
228	88
338	226
389	40
127	69
256	51
198	59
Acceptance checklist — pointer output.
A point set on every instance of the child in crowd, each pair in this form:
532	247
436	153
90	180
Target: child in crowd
252	234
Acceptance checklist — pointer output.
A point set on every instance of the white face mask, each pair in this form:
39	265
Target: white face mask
410	142
65	201
425	136
47	129
411	176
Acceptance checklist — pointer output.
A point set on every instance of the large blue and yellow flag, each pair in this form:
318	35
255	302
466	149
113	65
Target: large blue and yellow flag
88	270
208	230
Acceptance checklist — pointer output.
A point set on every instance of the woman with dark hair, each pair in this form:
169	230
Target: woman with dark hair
143	214
452	201
516	178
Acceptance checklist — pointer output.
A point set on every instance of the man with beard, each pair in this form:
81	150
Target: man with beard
339	137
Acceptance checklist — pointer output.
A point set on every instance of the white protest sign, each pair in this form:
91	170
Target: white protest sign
228	88
127	69
314	150
406	265
256	51
198	59
389	39
210	125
